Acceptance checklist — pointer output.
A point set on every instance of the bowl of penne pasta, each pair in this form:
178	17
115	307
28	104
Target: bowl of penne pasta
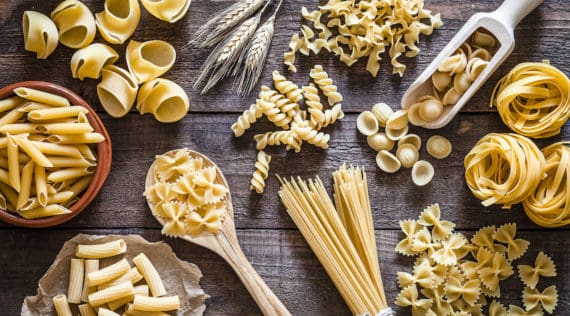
55	154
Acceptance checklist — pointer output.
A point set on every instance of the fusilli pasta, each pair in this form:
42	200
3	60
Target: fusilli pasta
261	172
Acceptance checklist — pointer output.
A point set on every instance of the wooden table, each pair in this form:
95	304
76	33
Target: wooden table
267	234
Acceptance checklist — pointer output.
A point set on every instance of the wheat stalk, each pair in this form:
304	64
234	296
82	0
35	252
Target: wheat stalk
219	26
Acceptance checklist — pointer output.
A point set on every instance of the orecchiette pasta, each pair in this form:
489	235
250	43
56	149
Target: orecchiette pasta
117	90
380	141
367	124
149	60
164	99
326	84
75	22
89	61
167	10
387	162
118	21
40	34
245	120
261	172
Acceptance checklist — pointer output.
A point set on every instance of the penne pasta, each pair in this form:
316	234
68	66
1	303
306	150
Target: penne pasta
61	305
76	276
25	184
53	113
3	162
32	151
59	197
29	204
89	138
10	103
139	290
132	276
100	251
62	162
50	210
118	21
64	185
41	96
156	304
111	294
82	119
151	276
106	312
41	185
86	310
58	150
9	193
91	265
3	142
33	106
3	202
18	128
4	177
69	173
40	34
89	61
13	163
75	23
63	128
117	91
87	152
37	138
11	117
108	273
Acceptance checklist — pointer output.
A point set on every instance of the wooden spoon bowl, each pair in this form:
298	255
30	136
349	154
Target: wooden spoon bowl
104	157
226	245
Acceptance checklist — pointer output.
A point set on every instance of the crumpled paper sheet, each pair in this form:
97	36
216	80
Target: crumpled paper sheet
180	277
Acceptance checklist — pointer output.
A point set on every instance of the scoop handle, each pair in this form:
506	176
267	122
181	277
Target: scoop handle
511	12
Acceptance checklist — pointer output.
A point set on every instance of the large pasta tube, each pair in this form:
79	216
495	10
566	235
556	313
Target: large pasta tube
75	22
111	294
40	34
101	251
117	91
89	61
108	273
118	21
149	60
164	99
167	10
150	274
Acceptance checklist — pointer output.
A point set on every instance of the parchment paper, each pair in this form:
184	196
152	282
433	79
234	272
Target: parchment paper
180	277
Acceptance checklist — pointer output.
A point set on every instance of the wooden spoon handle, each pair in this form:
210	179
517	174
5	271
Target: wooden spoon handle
511	12
261	293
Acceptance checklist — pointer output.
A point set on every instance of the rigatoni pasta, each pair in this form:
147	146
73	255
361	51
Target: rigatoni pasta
101	251
76	276
61	305
150	274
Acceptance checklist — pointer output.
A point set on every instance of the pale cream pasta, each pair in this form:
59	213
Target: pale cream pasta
61	305
91	265
149	60
117	91
131	311
164	99
86	310
100	251
50	210
150	274
167	10
41	96
10	103
26	184
118	21
75	22
106	312
76	276
89	61
139	290
13	164
132	276
111	294
54	113
156	304
40	34
108	273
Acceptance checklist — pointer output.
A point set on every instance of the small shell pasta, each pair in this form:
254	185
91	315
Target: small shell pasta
40	34
149	60
89	61
117	91
164	99
167	10
75	22
118	21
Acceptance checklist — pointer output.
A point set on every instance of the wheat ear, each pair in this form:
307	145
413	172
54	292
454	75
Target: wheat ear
219	26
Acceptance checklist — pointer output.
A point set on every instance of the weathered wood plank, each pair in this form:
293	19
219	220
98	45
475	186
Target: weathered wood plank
136	140
538	37
282	258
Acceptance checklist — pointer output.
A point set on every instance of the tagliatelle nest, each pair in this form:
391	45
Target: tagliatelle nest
356	29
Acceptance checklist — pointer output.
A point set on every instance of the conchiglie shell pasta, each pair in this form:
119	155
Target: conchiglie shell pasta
117	91
164	99
387	162
118	21
89	61
167	10
367	124
40	34
149	60
75	22
422	173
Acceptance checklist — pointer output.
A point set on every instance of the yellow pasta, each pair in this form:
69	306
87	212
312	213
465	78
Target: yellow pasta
117	90
56	149
86	310
245	120
53	113
75	22
63	128
76	276
49	210
167	10
26	184
133	312
106	312
10	103
533	99
206	218
547	299
149	60
261	172
101	251
40	34
91	265
150	274
326	85
164	99
88	138
118	21
69	173
111	294
89	61
108	273
156	304
139	290
41	96
13	163
133	276
61	305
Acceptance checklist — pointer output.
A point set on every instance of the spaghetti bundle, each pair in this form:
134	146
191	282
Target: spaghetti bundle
342	237
533	99
503	169
549	205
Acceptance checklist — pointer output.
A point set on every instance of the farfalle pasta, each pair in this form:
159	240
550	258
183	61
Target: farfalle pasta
75	23
408	297
149	60
88	62
164	99
167	10
516	247
206	218
40	34
547	299
543	267
118	21
117	91
431	217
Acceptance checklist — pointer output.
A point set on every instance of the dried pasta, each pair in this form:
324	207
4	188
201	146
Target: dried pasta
164	99
75	23
321	78
118	21
543	267
515	247
167	10
533	99
117	91
245	120
313	136
261	172
547	299
89	61
287	87
149	60
40	34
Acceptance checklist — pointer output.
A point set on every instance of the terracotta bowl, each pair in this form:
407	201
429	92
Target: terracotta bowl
104	156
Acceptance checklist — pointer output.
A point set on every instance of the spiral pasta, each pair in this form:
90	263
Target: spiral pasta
245	120
88	62
268	105
164	99
287	87
149	60
261	172
75	22
313	137
40	34
330	116
533	99
326	84
118	21
314	105
275	139
167	10
549	204
117	91
503	169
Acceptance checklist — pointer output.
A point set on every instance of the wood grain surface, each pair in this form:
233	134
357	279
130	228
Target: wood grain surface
265	231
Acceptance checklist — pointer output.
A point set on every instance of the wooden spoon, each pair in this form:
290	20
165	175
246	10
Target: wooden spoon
501	24
225	244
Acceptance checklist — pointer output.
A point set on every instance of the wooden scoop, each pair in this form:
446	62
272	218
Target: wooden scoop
225	244
500	23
